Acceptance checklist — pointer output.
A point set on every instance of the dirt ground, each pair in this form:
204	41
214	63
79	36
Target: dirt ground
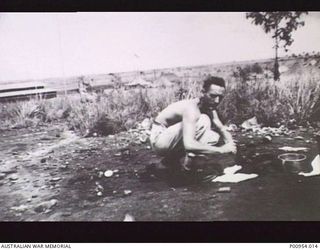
51	174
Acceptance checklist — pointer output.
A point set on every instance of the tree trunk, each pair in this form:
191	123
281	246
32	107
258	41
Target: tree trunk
276	73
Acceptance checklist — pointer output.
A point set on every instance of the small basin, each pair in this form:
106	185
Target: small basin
293	162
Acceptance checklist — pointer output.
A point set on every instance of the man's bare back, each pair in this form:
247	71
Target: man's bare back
175	111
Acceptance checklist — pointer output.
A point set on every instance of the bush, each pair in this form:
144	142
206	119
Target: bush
271	102
256	68
245	72
21	114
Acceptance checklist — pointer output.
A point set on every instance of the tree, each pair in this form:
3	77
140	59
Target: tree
281	25
256	68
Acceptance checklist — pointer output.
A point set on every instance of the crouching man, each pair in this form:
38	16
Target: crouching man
184	127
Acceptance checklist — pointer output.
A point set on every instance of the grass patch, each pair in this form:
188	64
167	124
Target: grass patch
273	103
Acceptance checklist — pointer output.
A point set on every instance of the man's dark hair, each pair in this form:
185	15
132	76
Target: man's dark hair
213	80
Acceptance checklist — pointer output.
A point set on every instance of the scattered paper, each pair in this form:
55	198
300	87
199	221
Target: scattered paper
315	168
294	149
232	170
231	176
234	178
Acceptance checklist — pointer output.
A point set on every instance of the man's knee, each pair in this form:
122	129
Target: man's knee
160	147
210	137
204	122
163	147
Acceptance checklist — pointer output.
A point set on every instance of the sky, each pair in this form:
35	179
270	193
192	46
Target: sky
42	45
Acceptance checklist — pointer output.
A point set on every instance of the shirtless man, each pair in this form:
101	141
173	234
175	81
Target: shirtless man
185	127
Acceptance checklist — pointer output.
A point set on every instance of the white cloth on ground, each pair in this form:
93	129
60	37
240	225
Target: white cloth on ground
231	176
315	168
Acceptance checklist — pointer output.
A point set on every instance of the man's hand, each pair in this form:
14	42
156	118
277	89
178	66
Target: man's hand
227	137
229	148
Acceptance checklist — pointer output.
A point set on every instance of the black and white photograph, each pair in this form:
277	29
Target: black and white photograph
160	116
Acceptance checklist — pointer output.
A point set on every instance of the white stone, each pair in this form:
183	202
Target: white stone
127	192
224	190
14	177
108	173
128	218
20	208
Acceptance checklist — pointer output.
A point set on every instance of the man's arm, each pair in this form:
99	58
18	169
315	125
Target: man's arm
190	118
227	137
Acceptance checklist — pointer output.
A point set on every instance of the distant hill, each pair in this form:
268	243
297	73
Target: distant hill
295	64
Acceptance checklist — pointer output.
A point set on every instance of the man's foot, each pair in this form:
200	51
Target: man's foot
187	163
209	178
188	160
169	163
